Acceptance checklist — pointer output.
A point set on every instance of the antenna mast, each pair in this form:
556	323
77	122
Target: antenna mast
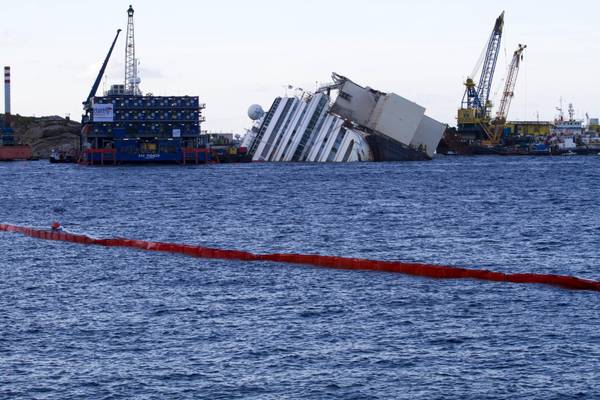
132	81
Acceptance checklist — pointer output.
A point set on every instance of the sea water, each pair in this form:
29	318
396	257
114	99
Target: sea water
91	322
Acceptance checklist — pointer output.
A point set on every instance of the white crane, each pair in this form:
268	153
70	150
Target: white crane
509	92
132	81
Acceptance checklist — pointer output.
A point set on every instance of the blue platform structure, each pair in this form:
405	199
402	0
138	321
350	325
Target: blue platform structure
125	126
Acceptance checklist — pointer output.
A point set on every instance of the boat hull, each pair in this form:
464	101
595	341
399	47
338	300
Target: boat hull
385	149
120	155
13	153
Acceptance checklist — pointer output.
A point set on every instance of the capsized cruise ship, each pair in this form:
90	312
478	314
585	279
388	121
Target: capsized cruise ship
342	122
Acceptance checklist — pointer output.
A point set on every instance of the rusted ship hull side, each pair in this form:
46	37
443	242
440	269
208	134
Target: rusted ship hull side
384	149
12	153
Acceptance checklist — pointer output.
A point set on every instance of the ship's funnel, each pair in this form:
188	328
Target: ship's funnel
7	91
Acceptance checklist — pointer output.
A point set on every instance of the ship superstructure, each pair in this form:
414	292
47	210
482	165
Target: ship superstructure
567	127
126	126
342	122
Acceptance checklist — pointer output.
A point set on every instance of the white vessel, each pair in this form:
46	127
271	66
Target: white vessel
570	127
342	122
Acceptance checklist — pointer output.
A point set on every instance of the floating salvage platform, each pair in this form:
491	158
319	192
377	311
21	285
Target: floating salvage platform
133	129
342	122
125	126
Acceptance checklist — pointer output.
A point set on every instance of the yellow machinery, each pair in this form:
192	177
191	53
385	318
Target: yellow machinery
474	114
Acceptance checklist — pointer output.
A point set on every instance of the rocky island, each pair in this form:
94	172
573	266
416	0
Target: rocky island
45	134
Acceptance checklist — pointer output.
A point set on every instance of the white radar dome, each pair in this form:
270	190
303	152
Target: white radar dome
255	112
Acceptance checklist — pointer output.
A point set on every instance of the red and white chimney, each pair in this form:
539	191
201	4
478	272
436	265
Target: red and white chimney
7	90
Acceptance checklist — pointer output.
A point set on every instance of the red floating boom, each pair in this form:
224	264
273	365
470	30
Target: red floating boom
417	269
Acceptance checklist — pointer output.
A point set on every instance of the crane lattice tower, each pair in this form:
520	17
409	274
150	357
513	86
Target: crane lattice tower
132	81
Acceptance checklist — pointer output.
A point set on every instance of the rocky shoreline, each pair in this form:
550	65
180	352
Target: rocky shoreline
45	134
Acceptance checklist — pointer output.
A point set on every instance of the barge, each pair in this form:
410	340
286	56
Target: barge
126	126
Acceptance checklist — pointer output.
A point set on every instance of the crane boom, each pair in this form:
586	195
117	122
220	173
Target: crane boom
132	80
509	91
489	65
511	81
102	69
477	94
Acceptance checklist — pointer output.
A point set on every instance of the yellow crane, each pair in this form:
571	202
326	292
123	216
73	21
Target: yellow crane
473	119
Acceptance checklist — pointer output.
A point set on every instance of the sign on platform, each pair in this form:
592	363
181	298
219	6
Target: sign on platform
103	113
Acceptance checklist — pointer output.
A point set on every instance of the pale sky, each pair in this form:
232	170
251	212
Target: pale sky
233	53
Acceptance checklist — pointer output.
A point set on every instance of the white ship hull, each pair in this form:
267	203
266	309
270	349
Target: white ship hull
350	127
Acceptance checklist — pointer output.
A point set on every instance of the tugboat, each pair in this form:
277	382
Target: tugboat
58	156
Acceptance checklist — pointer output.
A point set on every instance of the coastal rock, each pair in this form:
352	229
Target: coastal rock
44	134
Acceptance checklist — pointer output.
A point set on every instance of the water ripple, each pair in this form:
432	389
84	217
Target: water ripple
91	322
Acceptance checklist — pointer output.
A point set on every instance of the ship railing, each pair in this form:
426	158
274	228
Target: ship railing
104	155
195	155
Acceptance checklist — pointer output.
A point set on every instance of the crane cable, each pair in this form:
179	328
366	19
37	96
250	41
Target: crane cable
479	62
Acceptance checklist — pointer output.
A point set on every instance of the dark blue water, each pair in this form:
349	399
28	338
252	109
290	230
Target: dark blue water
81	322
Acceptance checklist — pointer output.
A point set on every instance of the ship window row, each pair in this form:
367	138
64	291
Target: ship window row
168	127
156	115
284	129
138	124
155	129
150	101
275	131
123	106
146	133
324	141
348	151
264	125
313	136
291	139
309	129
336	145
